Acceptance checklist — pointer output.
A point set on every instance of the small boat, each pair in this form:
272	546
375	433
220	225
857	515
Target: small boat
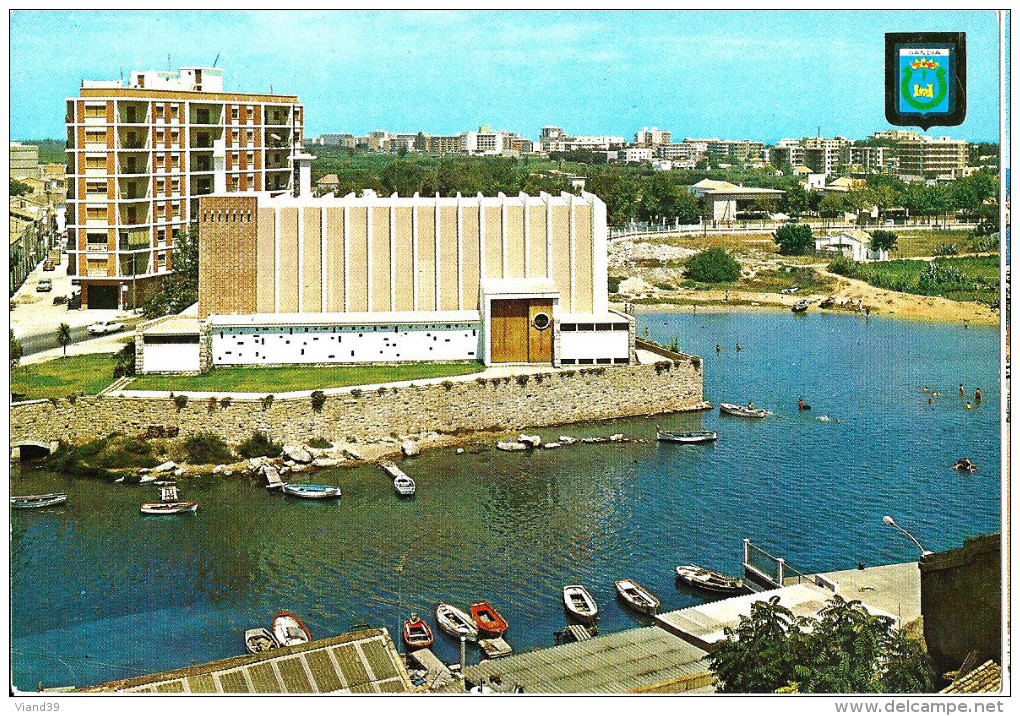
404	486
965	464
312	492
828	302
800	306
707	579
289	630
637	597
742	411
21	502
257	640
580	603
490	622
690	436
417	634
456	622
169	503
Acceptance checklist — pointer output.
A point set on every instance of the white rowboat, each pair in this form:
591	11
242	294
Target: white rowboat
580	603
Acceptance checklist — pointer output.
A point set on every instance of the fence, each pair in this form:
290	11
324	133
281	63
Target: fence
763	571
639	228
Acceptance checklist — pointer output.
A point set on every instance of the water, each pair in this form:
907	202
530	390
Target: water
100	592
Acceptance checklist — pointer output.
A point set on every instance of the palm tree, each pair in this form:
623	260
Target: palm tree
64	336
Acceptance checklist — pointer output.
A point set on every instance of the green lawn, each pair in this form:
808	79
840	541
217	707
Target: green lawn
266	381
978	278
87	374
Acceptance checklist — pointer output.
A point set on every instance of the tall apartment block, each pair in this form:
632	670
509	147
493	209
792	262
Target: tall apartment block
139	154
927	158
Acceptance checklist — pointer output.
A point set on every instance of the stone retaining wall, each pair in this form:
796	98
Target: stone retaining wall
587	393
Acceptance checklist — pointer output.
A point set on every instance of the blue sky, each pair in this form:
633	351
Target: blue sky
758	75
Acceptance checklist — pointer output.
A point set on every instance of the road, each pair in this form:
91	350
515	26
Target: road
39	342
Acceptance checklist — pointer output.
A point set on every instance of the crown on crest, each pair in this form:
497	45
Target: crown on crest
923	64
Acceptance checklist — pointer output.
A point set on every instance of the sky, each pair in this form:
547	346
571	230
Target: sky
731	75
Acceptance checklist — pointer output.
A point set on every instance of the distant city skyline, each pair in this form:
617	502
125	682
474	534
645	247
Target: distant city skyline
732	75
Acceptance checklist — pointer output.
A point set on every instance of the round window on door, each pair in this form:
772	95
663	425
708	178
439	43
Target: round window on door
541	321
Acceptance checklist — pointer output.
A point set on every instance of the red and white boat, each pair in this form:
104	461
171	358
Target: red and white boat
490	622
289	630
417	634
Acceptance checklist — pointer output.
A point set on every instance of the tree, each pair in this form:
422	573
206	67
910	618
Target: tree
882	240
713	265
793	239
64	336
180	289
16	350
19	188
846	650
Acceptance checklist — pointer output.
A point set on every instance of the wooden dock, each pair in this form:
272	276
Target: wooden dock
437	674
392	470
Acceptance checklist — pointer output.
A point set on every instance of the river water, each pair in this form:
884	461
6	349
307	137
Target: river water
100	592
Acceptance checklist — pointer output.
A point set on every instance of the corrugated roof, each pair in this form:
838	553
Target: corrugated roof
985	679
345	319
615	663
360	662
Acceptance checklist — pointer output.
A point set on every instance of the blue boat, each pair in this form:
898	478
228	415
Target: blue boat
312	492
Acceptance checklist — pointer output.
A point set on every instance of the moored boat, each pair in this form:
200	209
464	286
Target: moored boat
21	502
490	622
417	634
580	603
828	302
689	436
404	486
289	630
257	640
707	579
312	492
456	622
636	597
800	306
742	411
168	508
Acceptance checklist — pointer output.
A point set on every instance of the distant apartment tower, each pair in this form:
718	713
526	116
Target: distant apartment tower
927	158
824	156
871	159
787	151
25	161
141	153
652	137
896	135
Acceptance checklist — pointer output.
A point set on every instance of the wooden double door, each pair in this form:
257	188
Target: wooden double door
521	330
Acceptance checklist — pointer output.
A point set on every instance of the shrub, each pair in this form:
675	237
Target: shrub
356	393
947	250
674	344
381	390
55	402
696	361
259	445
320	443
181	402
211	404
96	458
614	284
225	402
267	402
480	381
125	361
844	266
206	448
713	265
318	400
447	384
522	379
793	239
882	240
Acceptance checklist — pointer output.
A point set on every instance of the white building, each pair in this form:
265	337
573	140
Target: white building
853	244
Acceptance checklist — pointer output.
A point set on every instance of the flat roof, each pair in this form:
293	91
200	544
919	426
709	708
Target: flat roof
363	662
512	286
190	95
893	589
173	326
345	319
630	660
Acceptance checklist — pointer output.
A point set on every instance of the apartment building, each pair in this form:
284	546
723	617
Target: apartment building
140	154
25	161
871	159
927	158
823	155
634	155
652	137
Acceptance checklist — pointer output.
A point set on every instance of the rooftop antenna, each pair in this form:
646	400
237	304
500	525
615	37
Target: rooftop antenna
217	59
168	62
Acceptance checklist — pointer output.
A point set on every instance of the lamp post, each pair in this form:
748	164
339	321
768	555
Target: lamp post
892	523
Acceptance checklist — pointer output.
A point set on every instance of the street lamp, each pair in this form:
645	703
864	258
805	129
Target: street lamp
892	523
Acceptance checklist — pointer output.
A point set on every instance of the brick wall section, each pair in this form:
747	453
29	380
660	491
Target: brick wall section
570	396
226	256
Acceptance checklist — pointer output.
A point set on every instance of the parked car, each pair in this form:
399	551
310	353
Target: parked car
791	289
48	265
44	286
104	327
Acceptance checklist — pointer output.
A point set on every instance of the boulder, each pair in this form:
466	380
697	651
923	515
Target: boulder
296	453
460	451
616	437
550	446
567	440
217	470
327	462
179	471
409	448
168	466
511	446
228	473
532	441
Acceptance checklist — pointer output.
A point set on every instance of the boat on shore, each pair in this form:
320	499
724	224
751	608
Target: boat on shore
800	306
707	579
689	436
404	486
580	604
259	640
169	504
289	630
742	411
311	492
828	302
490	622
417	634
456	622
23	502
636	597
